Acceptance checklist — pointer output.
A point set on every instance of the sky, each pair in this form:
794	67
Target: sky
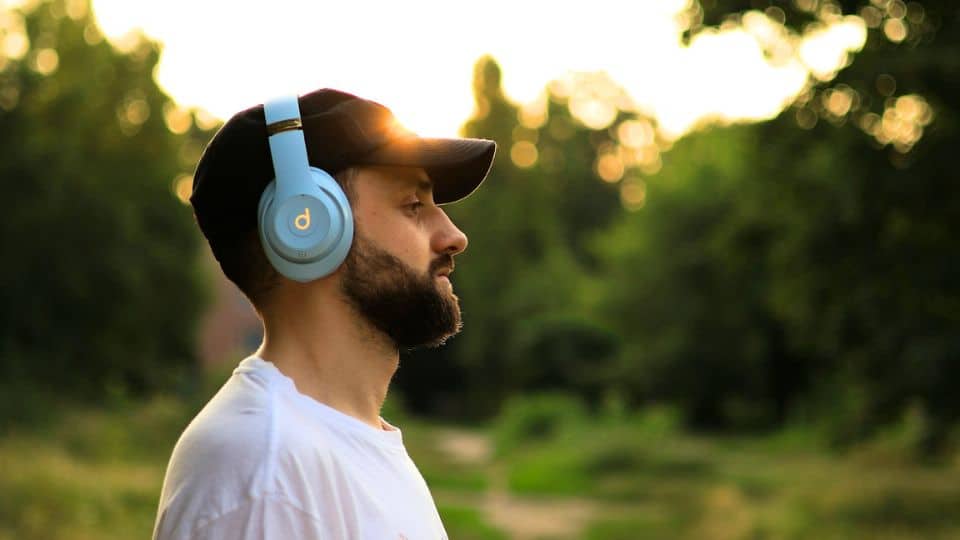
417	56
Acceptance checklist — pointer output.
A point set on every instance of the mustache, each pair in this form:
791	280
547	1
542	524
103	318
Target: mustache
443	262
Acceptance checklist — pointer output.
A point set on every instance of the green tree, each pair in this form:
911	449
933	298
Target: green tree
787	271
523	279
799	268
100	287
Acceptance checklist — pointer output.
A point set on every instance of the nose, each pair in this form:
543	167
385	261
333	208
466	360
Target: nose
449	238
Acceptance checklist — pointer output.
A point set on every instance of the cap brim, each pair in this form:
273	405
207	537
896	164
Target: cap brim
455	166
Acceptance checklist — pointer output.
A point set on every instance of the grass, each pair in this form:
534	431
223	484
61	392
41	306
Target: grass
468	524
97	474
49	494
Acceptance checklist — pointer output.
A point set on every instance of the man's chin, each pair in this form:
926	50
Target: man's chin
438	342
451	325
414	311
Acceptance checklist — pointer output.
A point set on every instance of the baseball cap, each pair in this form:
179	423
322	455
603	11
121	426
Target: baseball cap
341	130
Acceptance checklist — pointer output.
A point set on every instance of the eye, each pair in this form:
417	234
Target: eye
414	207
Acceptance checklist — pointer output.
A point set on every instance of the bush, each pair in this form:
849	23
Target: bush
537	418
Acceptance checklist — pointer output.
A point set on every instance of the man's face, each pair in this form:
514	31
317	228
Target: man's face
396	274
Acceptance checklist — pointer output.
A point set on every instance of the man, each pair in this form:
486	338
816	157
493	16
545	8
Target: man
293	445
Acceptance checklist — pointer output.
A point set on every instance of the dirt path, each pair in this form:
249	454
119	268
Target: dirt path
522	518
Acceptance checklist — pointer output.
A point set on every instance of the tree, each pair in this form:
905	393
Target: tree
522	280
101	290
801	268
807	271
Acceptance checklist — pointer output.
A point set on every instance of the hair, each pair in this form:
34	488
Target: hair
244	262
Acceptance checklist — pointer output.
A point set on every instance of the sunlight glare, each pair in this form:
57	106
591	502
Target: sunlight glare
827	48
417	57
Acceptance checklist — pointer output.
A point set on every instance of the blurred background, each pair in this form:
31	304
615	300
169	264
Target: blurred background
712	284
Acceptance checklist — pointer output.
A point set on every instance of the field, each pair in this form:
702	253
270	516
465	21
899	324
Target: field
543	470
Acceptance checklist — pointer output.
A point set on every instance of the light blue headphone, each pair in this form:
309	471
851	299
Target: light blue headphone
305	222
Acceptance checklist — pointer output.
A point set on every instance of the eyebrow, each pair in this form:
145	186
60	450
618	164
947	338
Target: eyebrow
424	185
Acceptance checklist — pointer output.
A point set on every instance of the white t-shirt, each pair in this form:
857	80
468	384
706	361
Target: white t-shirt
263	461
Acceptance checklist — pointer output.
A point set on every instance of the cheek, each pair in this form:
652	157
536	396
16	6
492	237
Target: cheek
403	238
414	249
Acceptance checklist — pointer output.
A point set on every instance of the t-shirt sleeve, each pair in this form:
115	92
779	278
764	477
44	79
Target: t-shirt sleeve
263	518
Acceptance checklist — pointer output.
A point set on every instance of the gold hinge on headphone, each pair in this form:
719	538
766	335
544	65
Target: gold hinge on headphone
284	125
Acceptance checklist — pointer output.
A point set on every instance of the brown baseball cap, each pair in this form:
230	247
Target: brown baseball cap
341	130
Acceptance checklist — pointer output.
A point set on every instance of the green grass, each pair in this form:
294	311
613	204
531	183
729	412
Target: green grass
468	524
49	494
96	474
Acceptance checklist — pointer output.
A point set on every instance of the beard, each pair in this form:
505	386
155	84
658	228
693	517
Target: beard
406	306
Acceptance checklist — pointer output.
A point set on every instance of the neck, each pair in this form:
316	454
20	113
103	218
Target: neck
329	351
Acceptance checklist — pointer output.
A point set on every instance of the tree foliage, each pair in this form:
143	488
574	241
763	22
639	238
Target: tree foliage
100	286
801	269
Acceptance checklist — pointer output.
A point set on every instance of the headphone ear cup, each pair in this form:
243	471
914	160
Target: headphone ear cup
307	236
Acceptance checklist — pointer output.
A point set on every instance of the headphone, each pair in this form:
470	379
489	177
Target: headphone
304	217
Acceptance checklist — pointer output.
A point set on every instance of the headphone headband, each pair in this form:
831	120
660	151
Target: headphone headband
288	148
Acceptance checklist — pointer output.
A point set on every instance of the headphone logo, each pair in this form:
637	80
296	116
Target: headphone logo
302	221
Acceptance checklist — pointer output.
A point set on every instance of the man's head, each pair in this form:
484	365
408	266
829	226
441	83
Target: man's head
394	180
397	273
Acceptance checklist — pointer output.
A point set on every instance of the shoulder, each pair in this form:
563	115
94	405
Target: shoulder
241	449
234	426
249	428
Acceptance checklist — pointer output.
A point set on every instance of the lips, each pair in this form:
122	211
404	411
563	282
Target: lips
442	266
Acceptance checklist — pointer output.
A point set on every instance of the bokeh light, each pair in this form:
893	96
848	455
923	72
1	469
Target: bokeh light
610	167
133	112
633	193
523	154
840	100
533	114
752	69
182	187
635	133
45	61
896	9
14	43
178	120
886	84
895	30
871	16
